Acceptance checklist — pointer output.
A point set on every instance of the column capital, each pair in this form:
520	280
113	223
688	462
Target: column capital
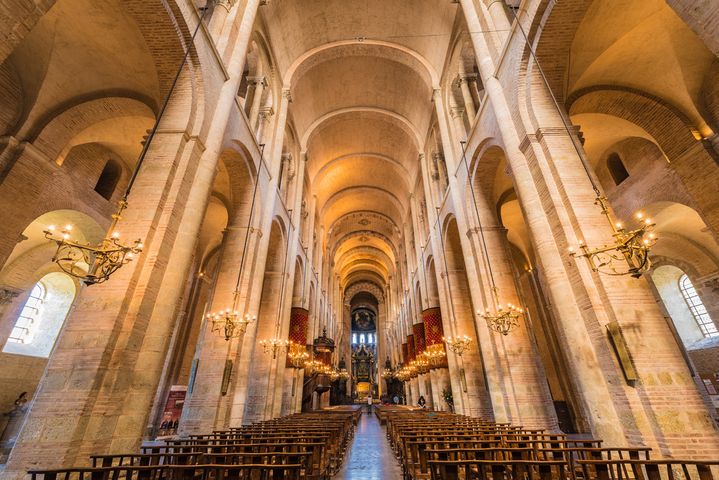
226	4
456	112
466	78
259	80
286	93
265	113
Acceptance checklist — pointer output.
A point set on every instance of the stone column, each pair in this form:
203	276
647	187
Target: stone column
464	81
263	120
220	13
258	370
255	90
205	407
520	384
460	131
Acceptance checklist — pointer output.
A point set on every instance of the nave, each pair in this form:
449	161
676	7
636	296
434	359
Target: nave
241	216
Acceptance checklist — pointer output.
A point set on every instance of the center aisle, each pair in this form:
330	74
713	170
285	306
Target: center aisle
370	456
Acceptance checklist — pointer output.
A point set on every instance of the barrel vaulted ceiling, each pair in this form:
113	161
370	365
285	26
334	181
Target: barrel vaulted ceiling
361	75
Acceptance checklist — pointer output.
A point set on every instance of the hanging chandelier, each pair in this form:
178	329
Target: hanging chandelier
274	346
459	344
629	253
504	319
334	374
93	264
435	353
421	364
313	366
229	323
297	355
387	373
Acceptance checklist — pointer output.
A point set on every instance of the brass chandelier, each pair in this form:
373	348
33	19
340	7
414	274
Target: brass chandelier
504	320
387	373
628	254
274	346
434	354
458	345
93	264
297	355
230	323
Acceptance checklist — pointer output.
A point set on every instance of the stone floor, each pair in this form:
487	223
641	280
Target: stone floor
370	457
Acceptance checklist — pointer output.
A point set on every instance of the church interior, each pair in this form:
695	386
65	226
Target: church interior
359	239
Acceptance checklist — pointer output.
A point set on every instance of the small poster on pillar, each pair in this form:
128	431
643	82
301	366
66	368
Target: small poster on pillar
172	412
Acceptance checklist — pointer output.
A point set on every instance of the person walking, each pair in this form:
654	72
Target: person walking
369	403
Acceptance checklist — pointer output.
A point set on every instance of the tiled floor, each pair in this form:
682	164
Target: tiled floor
370	457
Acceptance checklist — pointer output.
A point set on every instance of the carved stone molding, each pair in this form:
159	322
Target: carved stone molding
226	4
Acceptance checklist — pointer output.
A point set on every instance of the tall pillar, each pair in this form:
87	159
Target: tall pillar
464	81
258	370
255	91
206	407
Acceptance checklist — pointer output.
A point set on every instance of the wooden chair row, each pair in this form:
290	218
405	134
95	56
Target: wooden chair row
299	446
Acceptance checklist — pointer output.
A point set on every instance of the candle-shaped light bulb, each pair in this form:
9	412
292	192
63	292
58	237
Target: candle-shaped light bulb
51	228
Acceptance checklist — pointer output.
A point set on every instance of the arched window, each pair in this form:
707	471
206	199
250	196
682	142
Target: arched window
617	169
42	316
699	311
362	338
354	338
369	338
108	179
27	321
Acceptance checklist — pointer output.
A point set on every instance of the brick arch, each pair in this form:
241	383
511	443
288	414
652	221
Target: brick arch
556	24
674	134
52	137
168	35
242	176
709	103
11	99
364	286
671	129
